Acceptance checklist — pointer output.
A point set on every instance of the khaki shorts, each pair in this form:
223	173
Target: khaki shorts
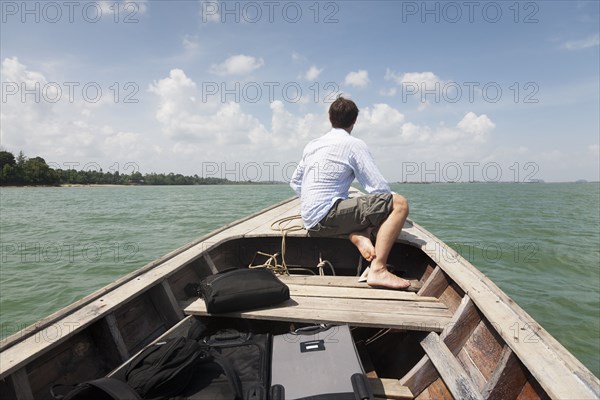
354	215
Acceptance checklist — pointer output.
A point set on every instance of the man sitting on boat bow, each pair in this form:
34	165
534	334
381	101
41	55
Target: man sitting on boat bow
322	179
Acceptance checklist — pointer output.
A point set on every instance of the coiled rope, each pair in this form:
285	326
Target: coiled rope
284	226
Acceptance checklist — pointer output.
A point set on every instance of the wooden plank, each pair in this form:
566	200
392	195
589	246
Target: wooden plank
389	389
295	226
350	282
251	227
421	376
164	301
455	335
20	382
436	391
508	379
436	284
210	263
467	317
327	280
451	371
363	292
484	349
471	368
115	333
172	301
559	373
367	306
380	306
293	311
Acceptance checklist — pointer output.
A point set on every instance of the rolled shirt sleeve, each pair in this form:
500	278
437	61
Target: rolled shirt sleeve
296	181
366	172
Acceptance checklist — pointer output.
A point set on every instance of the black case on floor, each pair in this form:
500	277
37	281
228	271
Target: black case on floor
247	354
317	364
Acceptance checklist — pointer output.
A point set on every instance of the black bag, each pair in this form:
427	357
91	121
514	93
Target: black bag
227	365
178	368
242	289
99	389
247	359
165	368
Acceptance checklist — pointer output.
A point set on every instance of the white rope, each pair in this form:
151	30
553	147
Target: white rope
284	226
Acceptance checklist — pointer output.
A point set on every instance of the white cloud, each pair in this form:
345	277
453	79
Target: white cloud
122	139
50	123
416	80
381	120
289	131
191	43
313	73
124	10
388	92
185	119
397	142
405	150
359	79
237	65
423	105
14	71
176	94
479	126
420	86
590	41
296	57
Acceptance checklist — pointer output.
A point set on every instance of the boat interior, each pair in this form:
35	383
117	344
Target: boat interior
396	333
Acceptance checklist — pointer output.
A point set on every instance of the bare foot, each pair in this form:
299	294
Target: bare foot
381	277
364	245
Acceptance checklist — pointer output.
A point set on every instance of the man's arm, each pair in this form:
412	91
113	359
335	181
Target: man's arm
296	181
366	171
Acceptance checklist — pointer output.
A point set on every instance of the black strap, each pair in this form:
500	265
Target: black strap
230	374
116	388
361	387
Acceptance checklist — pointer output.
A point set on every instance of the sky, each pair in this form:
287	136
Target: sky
447	91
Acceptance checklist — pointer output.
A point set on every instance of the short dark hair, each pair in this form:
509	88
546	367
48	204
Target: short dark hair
342	113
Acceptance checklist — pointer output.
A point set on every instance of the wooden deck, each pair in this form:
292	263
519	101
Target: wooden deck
343	300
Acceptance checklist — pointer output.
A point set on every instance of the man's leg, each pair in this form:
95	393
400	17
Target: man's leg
362	240
386	236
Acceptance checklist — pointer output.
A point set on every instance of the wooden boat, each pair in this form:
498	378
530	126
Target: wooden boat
459	337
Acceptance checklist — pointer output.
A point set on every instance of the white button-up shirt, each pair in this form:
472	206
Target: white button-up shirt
328	167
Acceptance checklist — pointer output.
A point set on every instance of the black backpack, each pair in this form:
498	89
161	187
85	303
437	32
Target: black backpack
161	371
165	368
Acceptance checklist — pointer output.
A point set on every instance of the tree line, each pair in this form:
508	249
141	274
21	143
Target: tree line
23	171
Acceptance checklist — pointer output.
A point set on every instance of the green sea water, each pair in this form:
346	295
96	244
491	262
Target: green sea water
540	243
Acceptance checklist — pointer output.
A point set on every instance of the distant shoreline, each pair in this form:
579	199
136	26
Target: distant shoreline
233	183
69	185
91	185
